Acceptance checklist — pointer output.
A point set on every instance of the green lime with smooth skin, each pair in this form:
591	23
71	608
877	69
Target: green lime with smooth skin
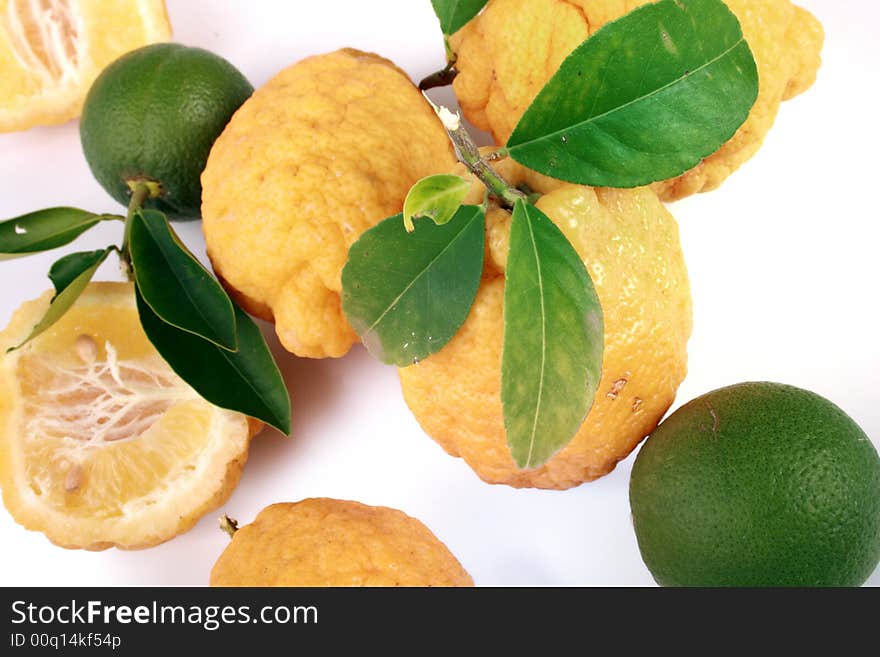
758	484
153	115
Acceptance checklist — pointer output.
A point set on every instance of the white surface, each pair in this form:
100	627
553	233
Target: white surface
784	267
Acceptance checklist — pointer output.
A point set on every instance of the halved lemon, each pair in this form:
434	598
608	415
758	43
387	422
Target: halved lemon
101	444
52	50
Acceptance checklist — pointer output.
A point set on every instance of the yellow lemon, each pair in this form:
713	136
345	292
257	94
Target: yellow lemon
630	245
324	151
324	542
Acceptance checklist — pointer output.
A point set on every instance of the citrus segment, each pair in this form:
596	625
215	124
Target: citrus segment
52	50
102	444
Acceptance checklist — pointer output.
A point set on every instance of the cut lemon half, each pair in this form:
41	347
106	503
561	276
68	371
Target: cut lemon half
52	50
101	444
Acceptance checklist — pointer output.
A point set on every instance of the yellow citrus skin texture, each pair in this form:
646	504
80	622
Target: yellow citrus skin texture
324	151
630	245
52	50
509	52
324	542
101	444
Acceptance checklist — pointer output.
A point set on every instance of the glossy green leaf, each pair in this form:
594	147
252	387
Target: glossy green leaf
646	98
45	230
247	380
455	14
65	270
437	197
553	339
175	285
407	294
70	275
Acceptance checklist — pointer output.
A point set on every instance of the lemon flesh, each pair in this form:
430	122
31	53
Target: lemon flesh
101	444
52	50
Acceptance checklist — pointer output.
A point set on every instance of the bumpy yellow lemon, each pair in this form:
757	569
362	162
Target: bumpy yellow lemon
101	444
324	542
509	52
630	245
52	50
323	152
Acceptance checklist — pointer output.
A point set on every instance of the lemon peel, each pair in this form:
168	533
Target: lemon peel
324	542
324	151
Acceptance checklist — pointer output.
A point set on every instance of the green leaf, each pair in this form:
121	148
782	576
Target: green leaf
65	270
406	294
646	98
246	381
70	275
455	14
175	285
45	230
437	197
553	339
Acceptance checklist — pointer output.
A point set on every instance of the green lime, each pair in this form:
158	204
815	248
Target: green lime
758	484
153	115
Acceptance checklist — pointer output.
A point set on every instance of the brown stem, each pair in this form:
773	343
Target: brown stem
442	78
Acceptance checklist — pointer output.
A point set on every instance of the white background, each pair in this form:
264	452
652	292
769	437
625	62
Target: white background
784	267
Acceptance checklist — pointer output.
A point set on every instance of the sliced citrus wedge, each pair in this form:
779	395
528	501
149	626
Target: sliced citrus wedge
101	444
52	50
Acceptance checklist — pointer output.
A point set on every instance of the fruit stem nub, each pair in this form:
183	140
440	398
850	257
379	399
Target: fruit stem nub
228	525
442	78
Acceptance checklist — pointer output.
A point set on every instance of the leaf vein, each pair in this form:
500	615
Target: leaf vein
619	108
540	395
424	270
